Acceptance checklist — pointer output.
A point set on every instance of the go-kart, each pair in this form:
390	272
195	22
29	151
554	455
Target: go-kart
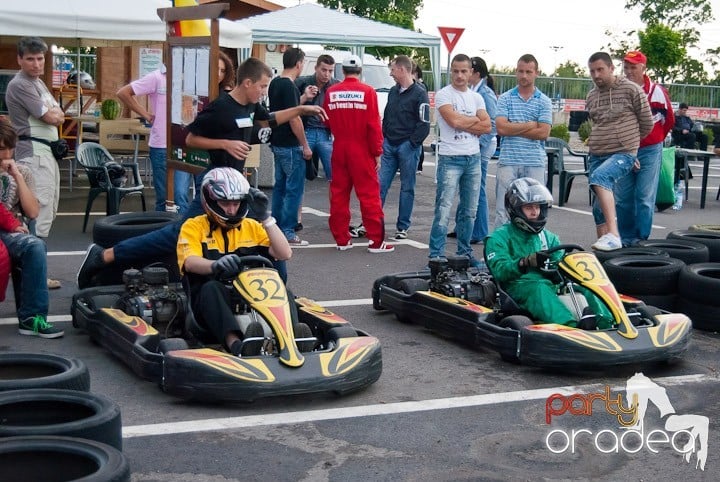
466	304
305	348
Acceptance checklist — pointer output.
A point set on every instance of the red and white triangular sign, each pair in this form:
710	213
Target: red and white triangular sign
450	36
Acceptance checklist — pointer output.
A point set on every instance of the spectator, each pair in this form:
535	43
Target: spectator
524	118
462	119
686	132
313	87
289	146
418	76
635	193
516	251
215	129
481	82
404	131
209	250
620	116
25	250
154	86
226	72
35	114
354	121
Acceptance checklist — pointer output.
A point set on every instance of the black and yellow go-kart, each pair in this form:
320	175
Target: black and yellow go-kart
305	347
466	304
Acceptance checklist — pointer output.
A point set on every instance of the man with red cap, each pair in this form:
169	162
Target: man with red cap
635	193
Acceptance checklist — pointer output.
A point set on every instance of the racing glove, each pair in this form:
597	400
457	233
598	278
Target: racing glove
258	204
226	267
535	260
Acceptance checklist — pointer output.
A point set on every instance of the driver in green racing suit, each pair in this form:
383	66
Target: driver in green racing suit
515	250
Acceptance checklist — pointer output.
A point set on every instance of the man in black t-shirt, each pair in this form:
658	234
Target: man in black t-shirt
225	128
289	146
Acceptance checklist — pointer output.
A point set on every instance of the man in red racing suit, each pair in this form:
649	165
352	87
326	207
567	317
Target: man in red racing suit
354	121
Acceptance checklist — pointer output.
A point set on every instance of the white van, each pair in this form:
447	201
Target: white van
375	72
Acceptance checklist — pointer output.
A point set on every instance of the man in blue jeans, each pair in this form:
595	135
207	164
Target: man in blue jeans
635	193
462	119
154	85
404	131
216	130
289	146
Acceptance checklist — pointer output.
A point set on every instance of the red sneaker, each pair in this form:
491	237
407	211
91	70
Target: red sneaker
383	248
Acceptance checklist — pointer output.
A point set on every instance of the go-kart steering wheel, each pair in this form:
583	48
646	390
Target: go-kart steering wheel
566	247
255	261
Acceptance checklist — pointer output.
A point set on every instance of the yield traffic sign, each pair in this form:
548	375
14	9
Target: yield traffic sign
450	36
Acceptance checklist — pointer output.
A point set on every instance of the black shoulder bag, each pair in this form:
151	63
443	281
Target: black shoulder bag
59	148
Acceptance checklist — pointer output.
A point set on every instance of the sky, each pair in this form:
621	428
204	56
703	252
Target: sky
501	31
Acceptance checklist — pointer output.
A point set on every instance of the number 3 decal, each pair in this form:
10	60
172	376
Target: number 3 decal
267	289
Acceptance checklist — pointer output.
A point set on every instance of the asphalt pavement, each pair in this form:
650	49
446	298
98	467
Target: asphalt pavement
441	411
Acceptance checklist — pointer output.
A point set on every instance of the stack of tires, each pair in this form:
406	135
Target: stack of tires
52	427
699	283
680	273
646	273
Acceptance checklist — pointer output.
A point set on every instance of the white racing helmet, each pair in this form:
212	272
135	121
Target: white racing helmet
224	184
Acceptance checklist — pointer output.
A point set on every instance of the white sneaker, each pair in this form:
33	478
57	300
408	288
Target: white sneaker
344	247
607	242
383	248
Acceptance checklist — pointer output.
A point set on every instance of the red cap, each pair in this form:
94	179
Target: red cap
635	57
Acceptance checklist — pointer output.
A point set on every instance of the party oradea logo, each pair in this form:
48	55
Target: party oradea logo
685	434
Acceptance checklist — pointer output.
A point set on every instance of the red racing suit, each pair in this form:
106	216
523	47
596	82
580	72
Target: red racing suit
354	120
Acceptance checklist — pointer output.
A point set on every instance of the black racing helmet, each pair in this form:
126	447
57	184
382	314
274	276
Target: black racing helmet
527	190
224	184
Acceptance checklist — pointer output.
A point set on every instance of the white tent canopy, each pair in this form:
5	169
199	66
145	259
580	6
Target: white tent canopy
313	24
99	23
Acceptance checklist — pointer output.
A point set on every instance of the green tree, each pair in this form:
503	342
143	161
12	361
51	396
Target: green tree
570	69
401	13
671	32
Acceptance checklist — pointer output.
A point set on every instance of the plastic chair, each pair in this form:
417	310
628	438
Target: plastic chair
93	158
567	175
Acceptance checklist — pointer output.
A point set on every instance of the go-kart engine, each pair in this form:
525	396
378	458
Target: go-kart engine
451	278
148	296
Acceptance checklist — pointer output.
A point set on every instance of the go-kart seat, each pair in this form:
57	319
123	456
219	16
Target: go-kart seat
506	305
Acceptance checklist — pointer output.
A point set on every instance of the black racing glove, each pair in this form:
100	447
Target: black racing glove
258	204
226	267
535	260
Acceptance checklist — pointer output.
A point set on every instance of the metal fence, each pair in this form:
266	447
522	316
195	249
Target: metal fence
707	96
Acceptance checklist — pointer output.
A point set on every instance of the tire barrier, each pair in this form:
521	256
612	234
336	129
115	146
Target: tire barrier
42	370
711	240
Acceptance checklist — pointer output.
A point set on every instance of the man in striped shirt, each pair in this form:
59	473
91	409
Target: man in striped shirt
620	116
524	118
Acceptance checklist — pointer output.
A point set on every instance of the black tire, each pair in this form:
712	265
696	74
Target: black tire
711	240
665	302
61	458
110	230
703	317
705	228
603	256
411	285
303	331
687	251
337	332
22	371
644	275
700	282
172	344
67	413
515	322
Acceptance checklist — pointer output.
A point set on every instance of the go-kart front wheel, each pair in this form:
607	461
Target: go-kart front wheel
514	322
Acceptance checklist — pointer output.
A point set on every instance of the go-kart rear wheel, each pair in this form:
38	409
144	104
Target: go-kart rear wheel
410	286
172	344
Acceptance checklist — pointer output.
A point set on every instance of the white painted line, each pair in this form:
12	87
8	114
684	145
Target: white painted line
589	213
327	304
396	242
66	253
316	212
286	418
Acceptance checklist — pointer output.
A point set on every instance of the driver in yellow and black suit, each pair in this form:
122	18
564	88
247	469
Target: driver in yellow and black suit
516	250
209	249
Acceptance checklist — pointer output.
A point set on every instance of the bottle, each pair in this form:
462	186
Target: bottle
679	194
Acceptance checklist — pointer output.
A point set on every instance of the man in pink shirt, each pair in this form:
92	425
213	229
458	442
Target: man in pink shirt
154	86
